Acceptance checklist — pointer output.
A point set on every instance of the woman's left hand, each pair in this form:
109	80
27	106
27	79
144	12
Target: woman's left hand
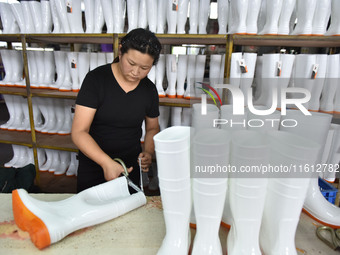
146	160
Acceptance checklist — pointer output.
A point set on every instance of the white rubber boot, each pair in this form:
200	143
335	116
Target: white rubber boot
46	16
164	113
161	16
37	115
39	59
66	129
331	84
252	16
238	12
28	17
57	27
199	73
67	78
9	101
7	63
23	157
62	14
171	17
41	157
25	124
9	23
19	16
209	193
17	68
193	18
132	13
74	16
93	60
142	15
171	74
247	198
203	121
172	147
287	10
314	102
235	72
15	158
119	11
203	16
99	20
18	114
321	17
334	28
72	169
176	116
83	66
182	16
248	77
190	89
60	64
89	15
55	223
273	10
49	69
181	74
55	161
35	8
48	162
285	194
186	117
334	154
222	17
152	12
73	64
305	13
101	58
51	120
152	74
33	69
59	111
65	159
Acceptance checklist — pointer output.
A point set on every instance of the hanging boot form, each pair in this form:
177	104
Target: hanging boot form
273	10
172	147
252	16
238	16
321	17
331	84
209	193
47	224
193	17
171	74
181	74
247	196
287	10
203	16
334	28
182	16
222	16
190	89
305	13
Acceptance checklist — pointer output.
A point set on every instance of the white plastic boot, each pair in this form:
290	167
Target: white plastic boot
99	20
39	59
181	74
209	193
59	111
182	16
41	157
74	16
176	116
190	89
25	124
151	11
273	10
48	162
171	17
193	16
287	10
74	69
334	154
101	58
93	60
17	68
161	16
66	129
321	17
52	221
83	66
49	69
109	57
164	113
203	16
55	161
28	17
331	84
72	169
337	101
285	193
9	24
16	153
252	16
199	72
142	15
203	121
172	146
186	116
7	63
132	12
238	11
89	15
35	8
57	27
235	122
51	120
62	14
334	28
67	78
37	115
235	72
19	16
305	13
46	16
152	74
222	17
65	159
118	13
248	77
314	102
18	114
23	157
246	194
60	65
9	101
33	69
171	74
214	72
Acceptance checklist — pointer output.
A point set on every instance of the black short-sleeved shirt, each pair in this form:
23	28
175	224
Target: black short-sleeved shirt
117	124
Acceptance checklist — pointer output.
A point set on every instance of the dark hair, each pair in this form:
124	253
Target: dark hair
142	40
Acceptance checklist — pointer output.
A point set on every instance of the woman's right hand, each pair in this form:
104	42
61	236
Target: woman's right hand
113	169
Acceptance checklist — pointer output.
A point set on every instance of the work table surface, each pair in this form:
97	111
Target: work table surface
138	232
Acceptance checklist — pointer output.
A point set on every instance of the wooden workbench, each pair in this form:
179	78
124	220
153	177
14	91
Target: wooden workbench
138	232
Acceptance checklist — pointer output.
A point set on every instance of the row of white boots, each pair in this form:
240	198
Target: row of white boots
261	212
50	115
55	161
234	16
69	68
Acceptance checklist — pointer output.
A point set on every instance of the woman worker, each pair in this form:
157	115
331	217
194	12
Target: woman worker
111	105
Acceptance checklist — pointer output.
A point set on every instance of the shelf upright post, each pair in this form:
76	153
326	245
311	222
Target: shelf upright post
229	50
30	108
115	45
